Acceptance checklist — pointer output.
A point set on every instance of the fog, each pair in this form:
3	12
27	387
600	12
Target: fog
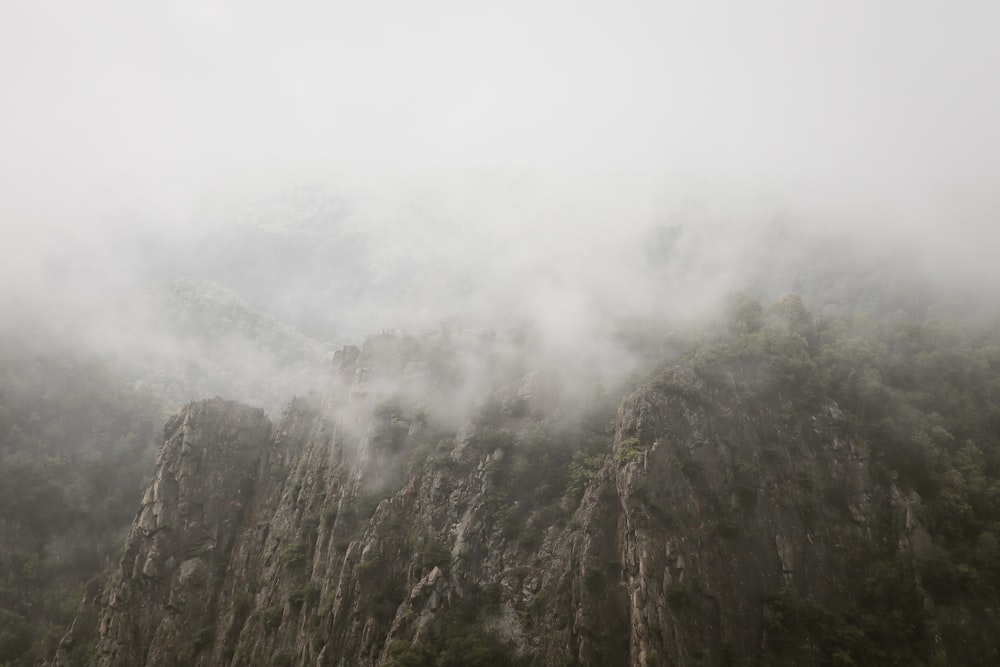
347	168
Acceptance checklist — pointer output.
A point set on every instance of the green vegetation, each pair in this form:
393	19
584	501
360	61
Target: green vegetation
456	640
330	515
310	527
293	554
628	450
390	426
528	477
678	594
307	593
15	636
539	470
870	630
370	569
582	468
271	617
433	553
925	395
77	443
77	446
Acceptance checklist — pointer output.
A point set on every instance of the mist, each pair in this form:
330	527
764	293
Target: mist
344	170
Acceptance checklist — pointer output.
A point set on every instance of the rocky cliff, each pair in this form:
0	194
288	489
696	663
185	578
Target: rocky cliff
397	521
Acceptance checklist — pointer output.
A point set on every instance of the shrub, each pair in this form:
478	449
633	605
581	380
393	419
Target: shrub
307	592
330	515
678	594
271	617
368	570
582	469
434	554
628	450
293	554
15	636
310	525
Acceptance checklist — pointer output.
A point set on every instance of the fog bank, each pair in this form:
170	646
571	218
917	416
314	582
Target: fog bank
347	169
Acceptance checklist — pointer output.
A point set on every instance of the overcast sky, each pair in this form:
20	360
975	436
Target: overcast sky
873	114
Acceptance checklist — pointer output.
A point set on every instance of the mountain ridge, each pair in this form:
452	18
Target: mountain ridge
738	513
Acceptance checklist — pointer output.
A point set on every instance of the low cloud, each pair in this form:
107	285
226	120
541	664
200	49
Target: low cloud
571	166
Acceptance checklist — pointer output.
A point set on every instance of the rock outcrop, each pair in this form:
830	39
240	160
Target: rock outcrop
386	521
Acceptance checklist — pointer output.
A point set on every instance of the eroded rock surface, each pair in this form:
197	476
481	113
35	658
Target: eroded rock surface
367	520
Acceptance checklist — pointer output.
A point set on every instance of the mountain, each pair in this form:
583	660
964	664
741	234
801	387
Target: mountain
780	490
77	444
80	430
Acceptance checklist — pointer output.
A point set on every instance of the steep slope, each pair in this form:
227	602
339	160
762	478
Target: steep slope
77	446
739	511
182	538
79	422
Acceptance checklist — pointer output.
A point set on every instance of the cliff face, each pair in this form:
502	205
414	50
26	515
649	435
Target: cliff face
177	551
382	524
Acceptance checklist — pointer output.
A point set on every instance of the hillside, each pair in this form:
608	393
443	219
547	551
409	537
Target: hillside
786	490
80	427
77	444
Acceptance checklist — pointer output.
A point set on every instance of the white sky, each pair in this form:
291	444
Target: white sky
130	113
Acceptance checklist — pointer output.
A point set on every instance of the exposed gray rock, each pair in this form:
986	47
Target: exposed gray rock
365	517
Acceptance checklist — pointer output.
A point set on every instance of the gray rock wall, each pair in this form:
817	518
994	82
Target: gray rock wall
361	522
